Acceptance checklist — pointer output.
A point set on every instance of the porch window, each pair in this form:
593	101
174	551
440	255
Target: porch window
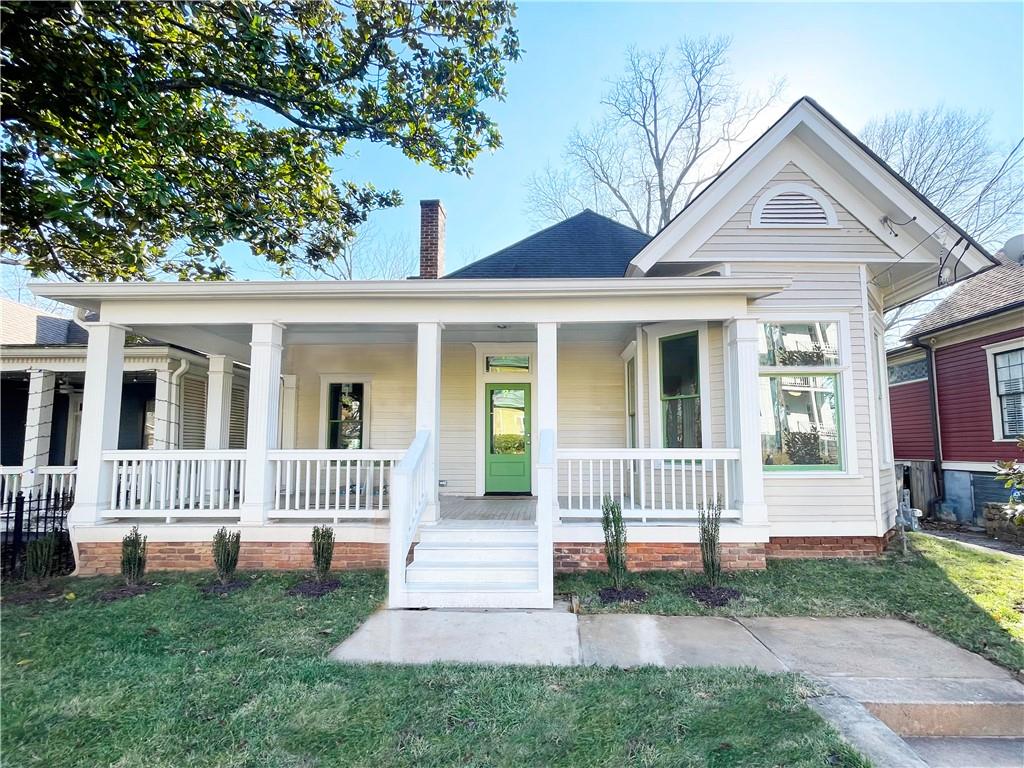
680	390
1010	391
800	396
506	363
345	415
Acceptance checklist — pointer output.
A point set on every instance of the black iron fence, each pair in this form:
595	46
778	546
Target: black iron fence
29	515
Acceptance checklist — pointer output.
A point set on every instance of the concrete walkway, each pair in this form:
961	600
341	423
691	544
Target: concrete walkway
902	696
977	541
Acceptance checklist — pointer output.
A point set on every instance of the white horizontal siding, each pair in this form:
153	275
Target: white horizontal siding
458	418
736	238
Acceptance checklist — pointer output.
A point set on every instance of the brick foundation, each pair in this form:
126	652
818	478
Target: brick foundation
572	557
105	557
787	547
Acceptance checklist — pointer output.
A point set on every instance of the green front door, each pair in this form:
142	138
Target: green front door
507	457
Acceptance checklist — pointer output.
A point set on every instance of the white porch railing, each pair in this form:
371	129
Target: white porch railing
411	488
50	480
10	481
336	484
649	484
172	484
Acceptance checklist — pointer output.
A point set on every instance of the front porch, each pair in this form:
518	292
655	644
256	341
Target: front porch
401	434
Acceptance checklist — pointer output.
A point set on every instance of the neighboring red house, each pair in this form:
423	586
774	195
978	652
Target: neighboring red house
959	380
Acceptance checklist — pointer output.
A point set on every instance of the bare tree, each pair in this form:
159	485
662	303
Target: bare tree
370	255
673	120
949	156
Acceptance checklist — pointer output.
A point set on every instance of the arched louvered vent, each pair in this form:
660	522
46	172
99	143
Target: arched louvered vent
793	205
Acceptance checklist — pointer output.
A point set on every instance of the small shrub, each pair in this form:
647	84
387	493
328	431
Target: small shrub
133	556
323	550
710	522
39	557
225	553
614	541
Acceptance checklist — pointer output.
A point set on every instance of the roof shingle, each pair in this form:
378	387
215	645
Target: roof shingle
999	288
585	245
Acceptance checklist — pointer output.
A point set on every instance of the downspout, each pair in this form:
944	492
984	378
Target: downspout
933	411
175	389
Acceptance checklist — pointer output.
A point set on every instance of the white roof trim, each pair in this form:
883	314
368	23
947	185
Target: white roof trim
92	295
817	131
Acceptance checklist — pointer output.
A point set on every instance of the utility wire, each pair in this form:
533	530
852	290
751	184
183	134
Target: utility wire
976	205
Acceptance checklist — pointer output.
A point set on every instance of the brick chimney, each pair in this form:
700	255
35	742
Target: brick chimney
432	219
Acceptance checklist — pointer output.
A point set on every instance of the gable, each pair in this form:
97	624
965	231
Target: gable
747	236
908	245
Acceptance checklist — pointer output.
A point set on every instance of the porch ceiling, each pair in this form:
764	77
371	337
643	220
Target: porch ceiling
233	340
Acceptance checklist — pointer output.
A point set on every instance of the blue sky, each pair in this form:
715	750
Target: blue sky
857	60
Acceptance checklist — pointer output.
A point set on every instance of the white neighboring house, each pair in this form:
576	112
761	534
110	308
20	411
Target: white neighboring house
164	401
480	419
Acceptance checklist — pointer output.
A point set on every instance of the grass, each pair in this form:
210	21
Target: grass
972	598
174	678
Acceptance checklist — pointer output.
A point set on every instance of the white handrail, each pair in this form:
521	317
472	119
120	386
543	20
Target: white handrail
175	483
410	494
547	503
650	484
49	480
332	483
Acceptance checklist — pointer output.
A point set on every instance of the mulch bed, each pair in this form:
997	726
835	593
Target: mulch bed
29	596
313	588
122	593
714	597
220	590
627	595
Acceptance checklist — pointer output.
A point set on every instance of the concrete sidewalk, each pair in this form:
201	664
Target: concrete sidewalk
884	679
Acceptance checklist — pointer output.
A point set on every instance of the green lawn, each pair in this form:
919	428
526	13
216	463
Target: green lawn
972	598
176	679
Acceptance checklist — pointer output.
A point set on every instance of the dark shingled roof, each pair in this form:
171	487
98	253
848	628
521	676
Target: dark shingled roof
996	290
585	245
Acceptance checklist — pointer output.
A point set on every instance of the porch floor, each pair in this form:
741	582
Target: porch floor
515	509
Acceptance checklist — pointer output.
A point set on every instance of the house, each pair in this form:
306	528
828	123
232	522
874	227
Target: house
956	389
463	431
164	403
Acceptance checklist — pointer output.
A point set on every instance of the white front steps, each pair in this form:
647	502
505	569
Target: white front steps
474	566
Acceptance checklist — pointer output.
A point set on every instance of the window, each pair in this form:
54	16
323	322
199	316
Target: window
680	391
903	373
1009	369
346	415
631	433
506	363
800	396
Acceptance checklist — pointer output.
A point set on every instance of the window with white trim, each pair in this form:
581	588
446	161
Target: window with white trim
1009	391
801	422
346	415
680	390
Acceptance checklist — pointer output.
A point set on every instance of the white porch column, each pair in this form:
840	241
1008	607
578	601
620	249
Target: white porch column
264	412
218	402
428	403
101	419
289	403
547	444
38	427
165	425
746	419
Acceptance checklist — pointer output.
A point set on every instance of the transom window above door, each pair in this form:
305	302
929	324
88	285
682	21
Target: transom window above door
506	363
346	415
